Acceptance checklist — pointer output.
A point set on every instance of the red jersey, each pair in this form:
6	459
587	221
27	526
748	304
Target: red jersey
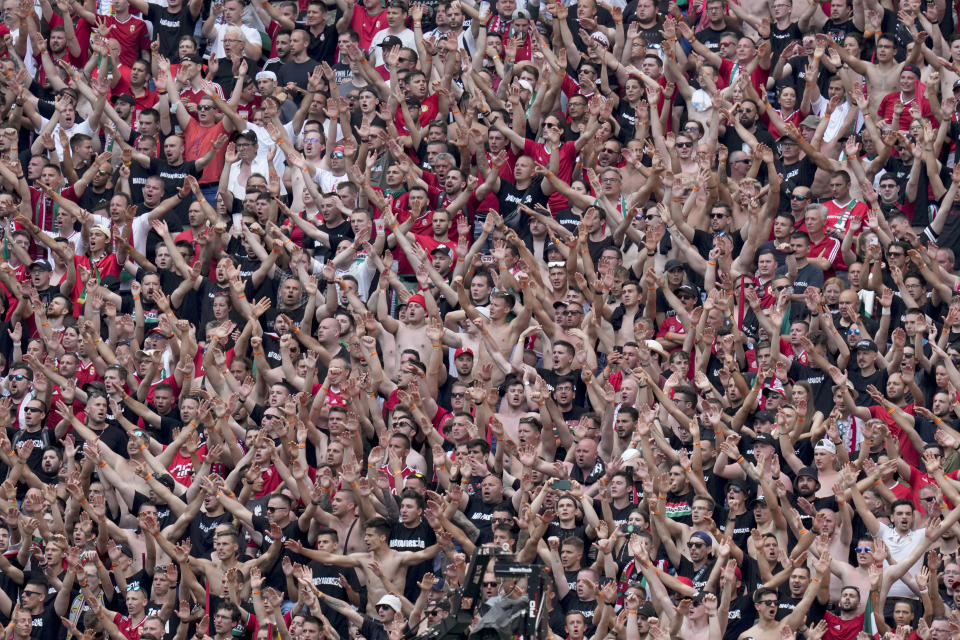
133	36
129	630
367	25
840	629
839	214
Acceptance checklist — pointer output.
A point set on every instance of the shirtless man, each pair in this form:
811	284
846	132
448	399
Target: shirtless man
767	600
226	547
387	562
503	333
410	333
883	76
343	518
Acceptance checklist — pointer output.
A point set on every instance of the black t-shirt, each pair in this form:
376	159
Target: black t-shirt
710	37
818	380
41	438
797	174
201	533
91	200
703	241
780	38
169	27
46	625
837	31
418	538
860	381
511	198
274	575
742	616
326	578
164	514
323	47
788	604
296	72
572	602
173	177
734	142
338	234
479	512
698	576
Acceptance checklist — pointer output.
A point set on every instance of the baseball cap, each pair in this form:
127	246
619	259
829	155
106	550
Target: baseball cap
765	438
826	445
688	289
810	122
40	264
912	69
673	263
191	57
391	41
764	416
461	352
521	14
417	299
123	97
266	75
444	249
868	345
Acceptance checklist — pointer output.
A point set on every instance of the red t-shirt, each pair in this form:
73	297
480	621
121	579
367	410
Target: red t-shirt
840	629
366	25
729	68
133	36
907	451
885	110
568	157
123	624
839	214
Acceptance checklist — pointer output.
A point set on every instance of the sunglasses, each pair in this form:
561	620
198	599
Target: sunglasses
800	197
853	331
742	161
767	603
337	154
491	584
695	545
684	145
16	376
33	409
863	549
717	216
204	107
314	140
458	395
102	173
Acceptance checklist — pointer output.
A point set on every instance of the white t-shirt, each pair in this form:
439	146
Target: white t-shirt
249	33
900	547
406	37
78	127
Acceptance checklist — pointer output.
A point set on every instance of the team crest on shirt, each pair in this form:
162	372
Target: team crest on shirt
133	27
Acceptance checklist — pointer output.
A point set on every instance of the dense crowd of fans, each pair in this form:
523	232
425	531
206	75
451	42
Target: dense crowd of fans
311	306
